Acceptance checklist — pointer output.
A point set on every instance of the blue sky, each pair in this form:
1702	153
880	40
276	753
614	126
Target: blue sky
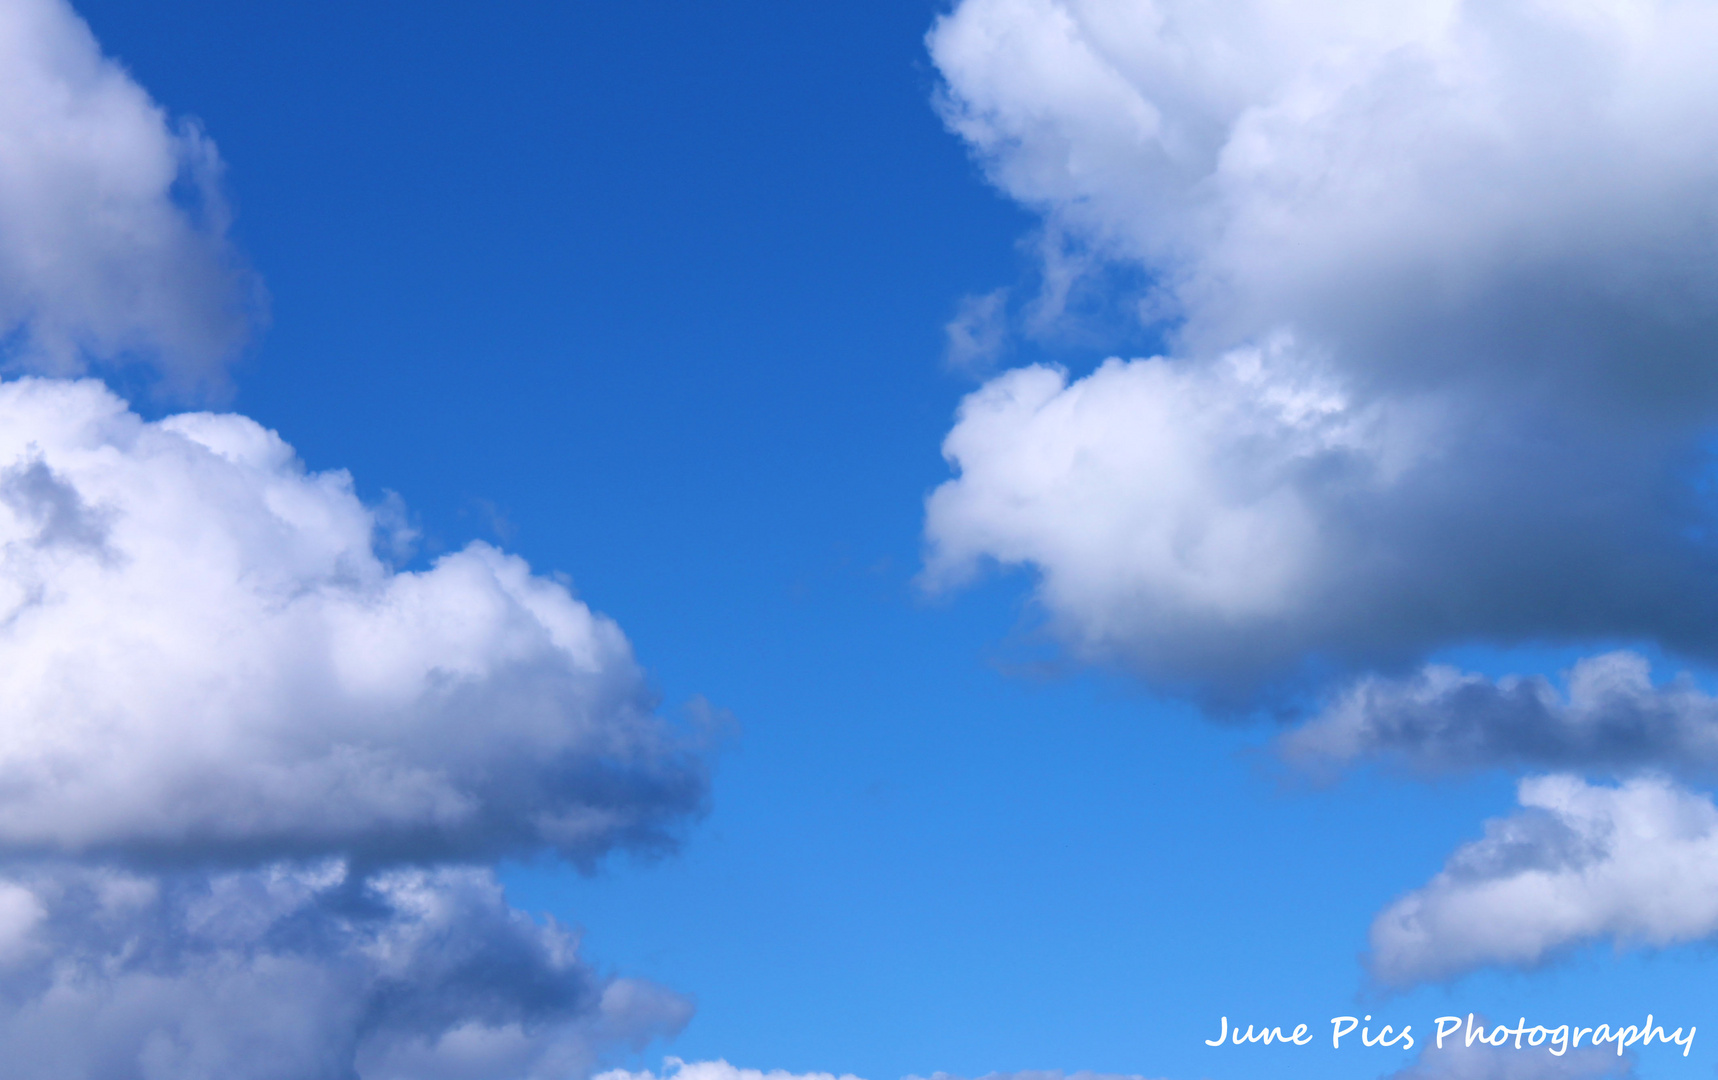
655	296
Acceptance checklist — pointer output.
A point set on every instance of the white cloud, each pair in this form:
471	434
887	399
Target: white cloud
203	657
305	973
1612	718
1171	511
112	226
1214	525
1636	863
1472	250
1355	170
247	765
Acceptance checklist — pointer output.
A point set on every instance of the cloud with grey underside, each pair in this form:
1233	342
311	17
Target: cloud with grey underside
1611	718
1438	289
1439	301
253	774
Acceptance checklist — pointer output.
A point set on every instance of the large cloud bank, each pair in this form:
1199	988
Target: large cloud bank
251	772
240	751
1439	283
1443	283
1636	864
112	226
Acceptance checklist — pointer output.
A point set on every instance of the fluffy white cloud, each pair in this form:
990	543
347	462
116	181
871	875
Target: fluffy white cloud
202	656
112	226
1173	512
1217	525
1612	718
1637	863
1361	172
204	662
301	973
246	764
1445	279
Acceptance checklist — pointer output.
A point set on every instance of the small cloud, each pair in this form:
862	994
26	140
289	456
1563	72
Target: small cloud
1611	719
1636	864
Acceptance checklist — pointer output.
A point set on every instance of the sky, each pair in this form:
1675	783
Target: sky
918	539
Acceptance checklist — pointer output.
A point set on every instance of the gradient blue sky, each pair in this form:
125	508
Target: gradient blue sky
653	294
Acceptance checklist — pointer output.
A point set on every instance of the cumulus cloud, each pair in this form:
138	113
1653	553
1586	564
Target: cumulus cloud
249	768
1440	719
1221	525
1459	1061
246	765
1430	165
203	657
304	972
113	240
1442	283
1636	864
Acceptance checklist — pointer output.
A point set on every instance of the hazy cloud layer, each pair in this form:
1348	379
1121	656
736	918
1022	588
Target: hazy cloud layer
1443	277
1636	864
203	657
1611	719
300	973
675	1069
1457	1061
112	226
1038	1074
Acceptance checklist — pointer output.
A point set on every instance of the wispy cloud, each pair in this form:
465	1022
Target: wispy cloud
978	333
